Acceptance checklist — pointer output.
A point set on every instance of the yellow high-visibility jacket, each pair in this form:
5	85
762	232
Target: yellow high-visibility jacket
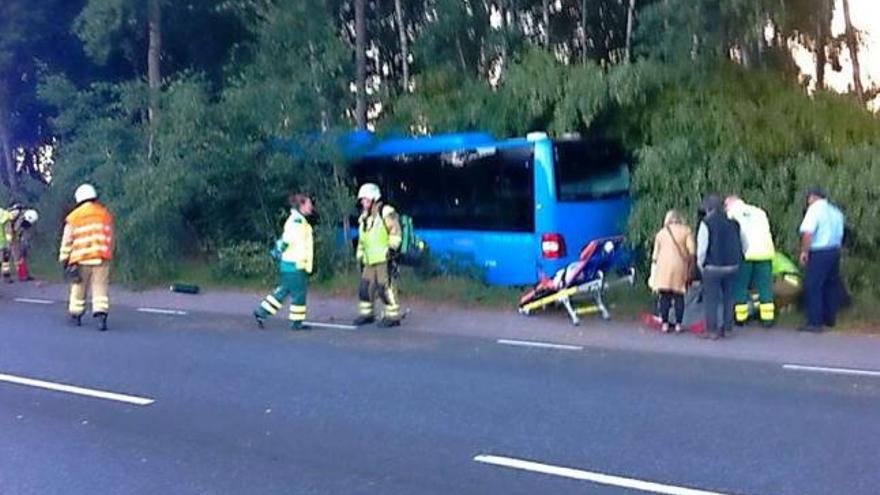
378	232
754	227
299	248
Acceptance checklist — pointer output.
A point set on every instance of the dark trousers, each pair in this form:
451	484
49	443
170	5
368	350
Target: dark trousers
718	285
822	287
671	300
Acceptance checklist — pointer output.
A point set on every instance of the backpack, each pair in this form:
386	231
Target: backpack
412	249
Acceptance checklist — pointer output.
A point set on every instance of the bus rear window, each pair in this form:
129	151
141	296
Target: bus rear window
588	170
488	190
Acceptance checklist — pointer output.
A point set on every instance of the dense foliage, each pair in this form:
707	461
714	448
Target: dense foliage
254	94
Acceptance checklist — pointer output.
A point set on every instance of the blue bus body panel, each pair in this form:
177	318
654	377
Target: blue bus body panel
581	222
432	144
505	258
511	258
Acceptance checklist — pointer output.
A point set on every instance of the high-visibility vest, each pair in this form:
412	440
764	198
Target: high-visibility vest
88	235
374	240
754	227
4	232
297	237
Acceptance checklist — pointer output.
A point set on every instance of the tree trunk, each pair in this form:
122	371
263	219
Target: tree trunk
154	68
853	44
8	162
404	45
630	18
316	85
821	42
759	35
546	14
584	31
361	62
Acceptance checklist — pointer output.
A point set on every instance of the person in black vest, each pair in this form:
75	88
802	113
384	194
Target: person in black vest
719	252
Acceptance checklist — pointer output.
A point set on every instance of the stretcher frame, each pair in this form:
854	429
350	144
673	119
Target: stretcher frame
568	297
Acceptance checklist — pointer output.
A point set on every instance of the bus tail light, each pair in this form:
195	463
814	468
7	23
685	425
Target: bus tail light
552	246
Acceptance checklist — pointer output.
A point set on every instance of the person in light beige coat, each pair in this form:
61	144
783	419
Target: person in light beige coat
674	250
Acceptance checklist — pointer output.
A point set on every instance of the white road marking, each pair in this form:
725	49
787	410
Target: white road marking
71	389
600	478
160	311
837	371
33	301
329	325
541	345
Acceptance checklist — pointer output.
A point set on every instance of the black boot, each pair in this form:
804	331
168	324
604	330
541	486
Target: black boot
260	319
76	320
102	321
364	320
389	322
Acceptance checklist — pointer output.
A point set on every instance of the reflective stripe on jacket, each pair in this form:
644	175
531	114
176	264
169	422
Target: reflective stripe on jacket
298	238
88	235
754	228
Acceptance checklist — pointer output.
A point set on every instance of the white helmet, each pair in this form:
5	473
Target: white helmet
31	216
85	192
369	191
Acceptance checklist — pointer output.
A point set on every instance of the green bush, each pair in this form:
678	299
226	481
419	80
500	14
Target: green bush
244	260
760	137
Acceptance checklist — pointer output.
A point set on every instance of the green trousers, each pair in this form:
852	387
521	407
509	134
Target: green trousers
754	276
292	284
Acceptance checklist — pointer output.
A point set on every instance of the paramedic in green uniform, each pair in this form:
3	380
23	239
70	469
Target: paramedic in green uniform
756	270
379	233
295	253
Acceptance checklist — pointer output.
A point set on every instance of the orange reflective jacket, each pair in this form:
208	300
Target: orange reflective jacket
88	235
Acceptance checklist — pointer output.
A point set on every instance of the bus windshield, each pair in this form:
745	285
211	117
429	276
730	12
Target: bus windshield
484	189
587	170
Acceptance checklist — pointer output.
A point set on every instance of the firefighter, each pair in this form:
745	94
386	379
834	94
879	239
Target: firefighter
295	254
378	234
756	270
5	241
20	227
86	250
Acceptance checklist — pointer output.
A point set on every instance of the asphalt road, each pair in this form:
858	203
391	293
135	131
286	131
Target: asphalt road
241	411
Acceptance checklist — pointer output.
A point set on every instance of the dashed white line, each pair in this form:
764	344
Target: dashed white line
33	301
836	371
599	478
329	325
159	311
541	345
71	389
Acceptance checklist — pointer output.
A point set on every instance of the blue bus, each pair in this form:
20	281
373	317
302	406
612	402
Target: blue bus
516	208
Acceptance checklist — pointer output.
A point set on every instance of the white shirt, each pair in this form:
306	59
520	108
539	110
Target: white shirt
825	222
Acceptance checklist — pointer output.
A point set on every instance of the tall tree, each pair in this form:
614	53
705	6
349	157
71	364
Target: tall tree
822	21
852	42
630	18
361	63
31	35
404	43
545	13
154	68
130	35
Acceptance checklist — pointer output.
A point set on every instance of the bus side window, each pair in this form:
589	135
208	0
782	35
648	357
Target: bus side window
590	170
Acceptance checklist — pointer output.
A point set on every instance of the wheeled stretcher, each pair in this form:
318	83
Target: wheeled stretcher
580	286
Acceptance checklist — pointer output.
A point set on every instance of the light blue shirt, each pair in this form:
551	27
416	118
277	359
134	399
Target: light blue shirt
825	222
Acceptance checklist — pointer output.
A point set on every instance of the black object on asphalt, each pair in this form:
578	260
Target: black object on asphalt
185	288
